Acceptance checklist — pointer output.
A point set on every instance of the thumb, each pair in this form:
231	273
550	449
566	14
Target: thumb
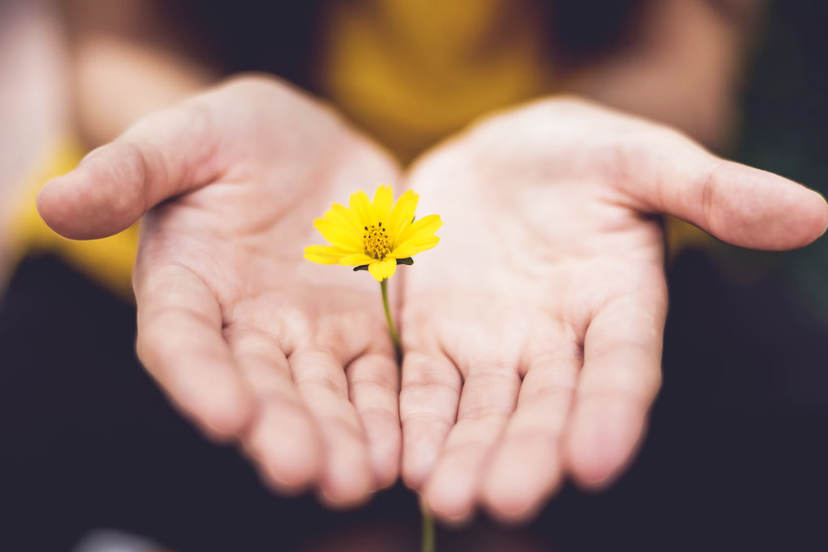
164	155
740	205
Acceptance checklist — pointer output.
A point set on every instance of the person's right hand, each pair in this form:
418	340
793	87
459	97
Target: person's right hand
250	340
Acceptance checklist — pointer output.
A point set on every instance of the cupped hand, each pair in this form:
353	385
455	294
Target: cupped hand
251	341
533	333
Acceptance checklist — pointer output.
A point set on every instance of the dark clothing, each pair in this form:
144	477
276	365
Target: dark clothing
89	440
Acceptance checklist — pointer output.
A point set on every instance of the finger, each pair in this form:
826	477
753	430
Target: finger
429	396
164	155
526	467
347	478
735	203
284	439
488	399
181	345
374	384
617	385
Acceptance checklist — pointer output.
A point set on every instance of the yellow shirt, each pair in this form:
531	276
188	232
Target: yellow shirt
412	72
409	72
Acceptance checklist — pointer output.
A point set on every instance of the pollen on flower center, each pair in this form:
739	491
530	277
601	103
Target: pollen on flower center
375	241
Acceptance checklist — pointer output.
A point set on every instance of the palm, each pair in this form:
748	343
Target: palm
533	333
250	339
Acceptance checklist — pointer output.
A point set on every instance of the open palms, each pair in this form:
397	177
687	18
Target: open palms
249	339
533	334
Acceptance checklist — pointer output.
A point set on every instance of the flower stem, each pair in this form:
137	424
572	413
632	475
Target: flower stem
392	329
428	542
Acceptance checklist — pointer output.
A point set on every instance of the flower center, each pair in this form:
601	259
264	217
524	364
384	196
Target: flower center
376	242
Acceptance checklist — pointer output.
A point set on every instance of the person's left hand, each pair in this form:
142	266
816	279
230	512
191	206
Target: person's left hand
533	333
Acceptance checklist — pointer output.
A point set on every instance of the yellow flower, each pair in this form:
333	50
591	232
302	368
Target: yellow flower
378	235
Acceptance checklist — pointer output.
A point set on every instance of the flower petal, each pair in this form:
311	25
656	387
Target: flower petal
361	205
413	246
383	201
356	259
424	227
383	269
390	266
402	214
342	216
341	236
324	254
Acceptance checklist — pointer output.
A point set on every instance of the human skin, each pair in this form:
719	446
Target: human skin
33	104
533	333
706	88
682	64
290	359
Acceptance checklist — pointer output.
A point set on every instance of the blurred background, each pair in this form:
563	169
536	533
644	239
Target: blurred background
92	453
